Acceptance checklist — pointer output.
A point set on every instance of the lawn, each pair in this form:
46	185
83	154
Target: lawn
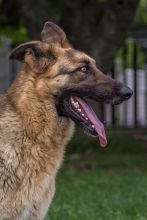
103	184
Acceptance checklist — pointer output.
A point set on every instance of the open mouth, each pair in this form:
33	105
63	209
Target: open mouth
70	103
83	115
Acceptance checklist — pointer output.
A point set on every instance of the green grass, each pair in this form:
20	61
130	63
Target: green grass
103	185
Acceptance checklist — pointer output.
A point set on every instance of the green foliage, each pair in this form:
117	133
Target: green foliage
140	55
129	57
57	7
17	35
141	14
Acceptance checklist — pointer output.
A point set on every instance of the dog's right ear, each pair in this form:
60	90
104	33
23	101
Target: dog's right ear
19	52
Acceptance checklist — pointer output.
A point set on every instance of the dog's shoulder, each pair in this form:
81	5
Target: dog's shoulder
8	141
9	121
5	106
7	112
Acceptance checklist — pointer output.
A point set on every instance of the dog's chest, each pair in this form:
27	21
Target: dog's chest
43	161
31	164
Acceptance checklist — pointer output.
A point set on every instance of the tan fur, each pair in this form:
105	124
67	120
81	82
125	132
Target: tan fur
32	140
32	133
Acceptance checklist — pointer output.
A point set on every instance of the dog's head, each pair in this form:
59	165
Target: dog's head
69	76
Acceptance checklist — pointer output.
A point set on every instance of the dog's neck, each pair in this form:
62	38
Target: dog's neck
39	116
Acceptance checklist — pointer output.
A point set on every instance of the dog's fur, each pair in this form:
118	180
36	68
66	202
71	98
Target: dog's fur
32	133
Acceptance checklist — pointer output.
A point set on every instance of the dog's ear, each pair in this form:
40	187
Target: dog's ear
36	54
51	33
19	52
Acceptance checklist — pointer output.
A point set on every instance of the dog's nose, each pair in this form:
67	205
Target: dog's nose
126	92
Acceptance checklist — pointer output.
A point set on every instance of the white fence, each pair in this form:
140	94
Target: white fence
124	112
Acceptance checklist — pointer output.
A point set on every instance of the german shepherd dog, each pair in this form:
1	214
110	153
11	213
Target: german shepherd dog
37	116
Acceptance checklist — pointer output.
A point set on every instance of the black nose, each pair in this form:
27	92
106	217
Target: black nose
126	92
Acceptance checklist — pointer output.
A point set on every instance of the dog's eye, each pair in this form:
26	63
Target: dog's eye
84	69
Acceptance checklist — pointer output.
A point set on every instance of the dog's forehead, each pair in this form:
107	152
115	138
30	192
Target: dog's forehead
77	56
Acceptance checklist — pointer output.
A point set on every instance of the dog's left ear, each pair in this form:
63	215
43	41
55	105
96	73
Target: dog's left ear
52	33
19	52
36	54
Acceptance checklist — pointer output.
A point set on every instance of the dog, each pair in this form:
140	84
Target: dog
37	117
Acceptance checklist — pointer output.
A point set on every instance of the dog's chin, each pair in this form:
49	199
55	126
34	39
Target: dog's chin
115	101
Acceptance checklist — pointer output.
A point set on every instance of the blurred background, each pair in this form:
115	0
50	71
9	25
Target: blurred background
94	183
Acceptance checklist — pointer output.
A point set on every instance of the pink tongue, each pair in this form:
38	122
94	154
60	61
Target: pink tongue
99	127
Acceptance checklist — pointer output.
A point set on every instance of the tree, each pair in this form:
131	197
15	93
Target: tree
98	27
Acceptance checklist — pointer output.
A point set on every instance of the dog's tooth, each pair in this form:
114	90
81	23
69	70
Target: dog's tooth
86	118
83	115
93	126
72	101
79	109
77	106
